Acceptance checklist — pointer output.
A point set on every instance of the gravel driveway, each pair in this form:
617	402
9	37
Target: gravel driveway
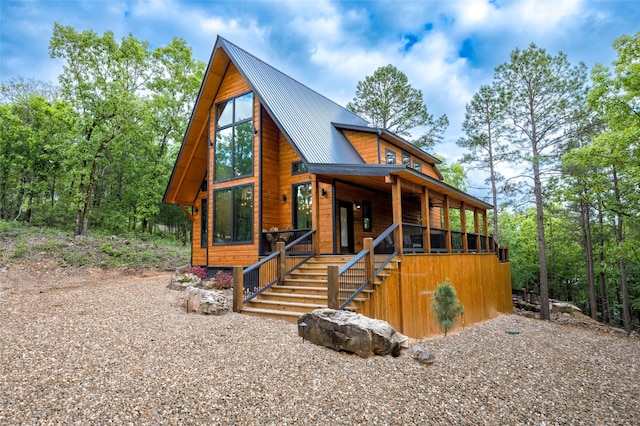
110	348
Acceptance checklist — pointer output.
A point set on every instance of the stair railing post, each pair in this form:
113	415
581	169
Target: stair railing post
333	289
369	264
238	288
282	264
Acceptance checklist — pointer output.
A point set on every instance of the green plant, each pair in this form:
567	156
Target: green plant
223	280
446	306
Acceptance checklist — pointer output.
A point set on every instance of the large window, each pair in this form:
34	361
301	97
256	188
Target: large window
302	206
234	138
233	214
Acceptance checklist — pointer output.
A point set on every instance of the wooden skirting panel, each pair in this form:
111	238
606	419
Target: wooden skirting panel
404	300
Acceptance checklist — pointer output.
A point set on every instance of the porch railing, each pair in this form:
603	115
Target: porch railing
272	237
413	241
348	281
273	269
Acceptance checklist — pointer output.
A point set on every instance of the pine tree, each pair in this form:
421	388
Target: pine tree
446	306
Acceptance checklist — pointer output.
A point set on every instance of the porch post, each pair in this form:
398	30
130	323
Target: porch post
463	225
315	214
476	229
369	265
333	286
447	224
396	200
485	226
426	219
282	259
238	288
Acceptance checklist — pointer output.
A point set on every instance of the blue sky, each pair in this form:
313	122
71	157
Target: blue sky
446	48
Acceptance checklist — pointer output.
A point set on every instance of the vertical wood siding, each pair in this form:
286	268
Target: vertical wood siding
404	300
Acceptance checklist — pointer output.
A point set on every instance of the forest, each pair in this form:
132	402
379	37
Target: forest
94	151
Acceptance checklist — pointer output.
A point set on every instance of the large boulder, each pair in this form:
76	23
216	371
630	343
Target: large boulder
208	302
351	332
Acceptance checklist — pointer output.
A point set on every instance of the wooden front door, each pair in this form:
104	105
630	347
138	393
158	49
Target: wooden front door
345	235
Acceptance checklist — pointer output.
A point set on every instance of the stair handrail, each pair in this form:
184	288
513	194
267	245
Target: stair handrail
274	269
306	254
388	233
360	259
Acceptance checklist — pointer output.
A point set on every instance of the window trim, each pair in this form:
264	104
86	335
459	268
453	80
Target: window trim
367	214
295	170
294	204
233	125
406	159
232	213
388	152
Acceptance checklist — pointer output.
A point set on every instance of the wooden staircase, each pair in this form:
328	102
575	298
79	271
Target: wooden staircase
305	289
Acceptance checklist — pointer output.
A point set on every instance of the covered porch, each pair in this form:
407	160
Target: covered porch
350	203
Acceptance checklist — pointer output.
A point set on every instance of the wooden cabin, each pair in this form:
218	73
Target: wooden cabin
315	207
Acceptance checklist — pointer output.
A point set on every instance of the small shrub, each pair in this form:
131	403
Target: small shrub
223	280
446	306
188	278
198	271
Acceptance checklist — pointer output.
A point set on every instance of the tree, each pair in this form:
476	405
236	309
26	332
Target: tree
615	97
446	306
387	100
484	124
101	79
544	94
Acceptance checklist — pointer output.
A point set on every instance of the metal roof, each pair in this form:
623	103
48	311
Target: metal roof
303	115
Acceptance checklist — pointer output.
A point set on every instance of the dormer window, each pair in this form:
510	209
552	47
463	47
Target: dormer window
234	138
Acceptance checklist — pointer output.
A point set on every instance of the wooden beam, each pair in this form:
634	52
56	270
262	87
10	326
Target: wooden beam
315	214
396	201
447	223
476	228
426	219
463	225
486	229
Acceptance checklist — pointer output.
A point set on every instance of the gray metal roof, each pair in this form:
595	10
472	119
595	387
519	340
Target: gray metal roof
302	114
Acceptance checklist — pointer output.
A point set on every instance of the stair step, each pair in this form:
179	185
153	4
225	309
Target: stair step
287	306
299	289
271	313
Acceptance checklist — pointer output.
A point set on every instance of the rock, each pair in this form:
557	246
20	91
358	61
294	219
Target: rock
351	332
563	307
206	302
422	355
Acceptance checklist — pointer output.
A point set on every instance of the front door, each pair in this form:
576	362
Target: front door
346	226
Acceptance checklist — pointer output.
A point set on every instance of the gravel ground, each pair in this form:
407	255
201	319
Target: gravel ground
106	347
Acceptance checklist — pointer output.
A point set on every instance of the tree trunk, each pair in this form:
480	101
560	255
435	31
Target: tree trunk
603	289
588	253
542	244
494	190
622	264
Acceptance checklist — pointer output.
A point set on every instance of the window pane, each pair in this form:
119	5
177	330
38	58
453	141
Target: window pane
224	113
302	194
222	221
406	159
243	212
417	165
204	224
391	156
223	154
243	149
244	107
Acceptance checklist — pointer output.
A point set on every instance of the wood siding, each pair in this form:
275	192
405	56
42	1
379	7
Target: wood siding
227	255
365	143
404	300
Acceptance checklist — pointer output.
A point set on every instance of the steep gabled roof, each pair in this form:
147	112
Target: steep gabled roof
303	115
